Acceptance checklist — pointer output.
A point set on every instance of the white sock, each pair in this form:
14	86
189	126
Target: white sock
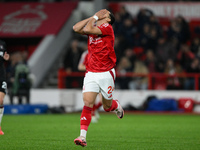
83	133
1	114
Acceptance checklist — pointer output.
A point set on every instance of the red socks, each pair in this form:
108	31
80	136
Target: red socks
85	117
95	107
113	107
98	105
86	114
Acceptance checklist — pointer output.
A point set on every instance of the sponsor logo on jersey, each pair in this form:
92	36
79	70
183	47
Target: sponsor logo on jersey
95	40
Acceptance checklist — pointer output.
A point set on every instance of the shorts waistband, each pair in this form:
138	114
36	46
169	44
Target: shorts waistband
113	69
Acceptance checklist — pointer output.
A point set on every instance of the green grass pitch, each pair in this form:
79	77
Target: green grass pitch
133	132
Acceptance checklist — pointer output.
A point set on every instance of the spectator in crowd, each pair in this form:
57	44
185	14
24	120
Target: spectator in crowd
119	47
143	18
144	36
124	14
139	82
165	50
154	23
24	55
130	55
185	56
195	47
171	69
15	59
153	38
184	29
22	83
150	61
19	77
128	32
123	67
194	67
71	61
117	27
174	30
179	28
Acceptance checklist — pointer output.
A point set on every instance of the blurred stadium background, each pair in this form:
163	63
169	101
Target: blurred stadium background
157	46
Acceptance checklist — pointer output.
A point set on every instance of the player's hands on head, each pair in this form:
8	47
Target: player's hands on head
103	13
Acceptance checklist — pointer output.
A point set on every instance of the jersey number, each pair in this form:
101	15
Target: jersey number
110	89
4	85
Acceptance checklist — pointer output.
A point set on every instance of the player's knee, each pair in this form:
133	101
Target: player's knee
88	103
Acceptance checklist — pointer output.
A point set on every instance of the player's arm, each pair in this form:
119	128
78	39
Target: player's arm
90	28
78	27
81	67
81	64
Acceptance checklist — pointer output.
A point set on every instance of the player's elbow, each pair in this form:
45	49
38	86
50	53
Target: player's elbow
75	28
86	30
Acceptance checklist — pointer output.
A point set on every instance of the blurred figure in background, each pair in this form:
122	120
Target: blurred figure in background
124	14
165	50
128	32
144	36
139	83
20	78
184	29
150	61
123	67
70	63
174	30
143	18
171	69
194	67
117	27
195	47
22	83
185	56
3	85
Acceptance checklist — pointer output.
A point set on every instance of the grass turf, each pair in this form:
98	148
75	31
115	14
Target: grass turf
134	131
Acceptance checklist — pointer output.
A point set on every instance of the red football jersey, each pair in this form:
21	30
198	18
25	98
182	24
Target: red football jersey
101	54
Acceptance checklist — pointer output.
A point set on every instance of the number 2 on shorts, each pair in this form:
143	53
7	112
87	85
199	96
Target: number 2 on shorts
110	89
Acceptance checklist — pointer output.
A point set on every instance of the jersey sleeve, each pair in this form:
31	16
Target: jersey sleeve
106	29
